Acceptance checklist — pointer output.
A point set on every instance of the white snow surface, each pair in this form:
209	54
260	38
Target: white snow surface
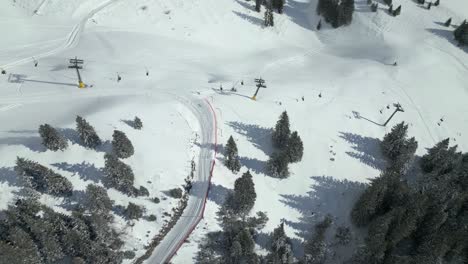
189	49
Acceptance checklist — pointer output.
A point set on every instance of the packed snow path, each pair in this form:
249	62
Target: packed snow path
196	203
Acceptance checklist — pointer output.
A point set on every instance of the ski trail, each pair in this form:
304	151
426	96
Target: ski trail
38	10
70	42
9	107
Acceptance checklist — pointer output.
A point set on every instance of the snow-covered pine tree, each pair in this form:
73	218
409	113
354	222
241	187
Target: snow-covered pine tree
133	211
295	148
281	247
87	133
277	165
268	18
51	139
395	143
448	22
137	124
97	200
118	174
437	3
441	158
244	194
42	179
397	11
121	145
461	33
232	156
282	132
258	5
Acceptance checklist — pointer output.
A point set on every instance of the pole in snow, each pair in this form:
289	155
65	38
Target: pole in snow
398	108
77	64
260	84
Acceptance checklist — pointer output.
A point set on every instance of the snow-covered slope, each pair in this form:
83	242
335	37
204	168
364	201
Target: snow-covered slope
194	46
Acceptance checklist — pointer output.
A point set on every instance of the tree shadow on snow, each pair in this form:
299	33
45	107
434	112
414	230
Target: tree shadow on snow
130	123
218	194
254	20
255	165
8	175
85	171
211	146
327	196
74	137
34	143
260	137
366	149
448	35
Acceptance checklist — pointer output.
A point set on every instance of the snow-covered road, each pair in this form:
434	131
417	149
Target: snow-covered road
196	204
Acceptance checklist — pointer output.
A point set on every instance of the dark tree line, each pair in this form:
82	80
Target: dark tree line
425	222
289	148
336	12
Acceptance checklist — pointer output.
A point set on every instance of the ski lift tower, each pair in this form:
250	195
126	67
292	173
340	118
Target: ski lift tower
77	64
260	84
398	108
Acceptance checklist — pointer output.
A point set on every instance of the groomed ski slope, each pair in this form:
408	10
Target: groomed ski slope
192	47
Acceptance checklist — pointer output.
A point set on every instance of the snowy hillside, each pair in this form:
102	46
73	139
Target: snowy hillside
170	52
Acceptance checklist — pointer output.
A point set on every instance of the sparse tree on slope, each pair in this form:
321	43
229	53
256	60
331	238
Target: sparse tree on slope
448	22
282	132
118	174
398	148
279	5
51	139
244	195
232	157
137	124
87	133
295	148
121	145
281	249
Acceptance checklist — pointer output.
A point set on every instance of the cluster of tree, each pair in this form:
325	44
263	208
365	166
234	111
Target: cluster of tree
289	148
120	176
424	222
336	12
42	179
34	233
461	33
235	243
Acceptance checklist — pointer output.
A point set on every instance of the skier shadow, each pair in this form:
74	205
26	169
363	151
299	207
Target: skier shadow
74	137
260	137
327	196
86	171
253	20
218	194
448	35
255	165
34	143
366	149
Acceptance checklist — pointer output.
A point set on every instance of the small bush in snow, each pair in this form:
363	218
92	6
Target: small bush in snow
155	200
129	254
133	211
175	193
143	191
152	218
51	138
121	145
137	124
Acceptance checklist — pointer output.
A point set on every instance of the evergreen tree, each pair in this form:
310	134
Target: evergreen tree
232	157
97	201
374	7
42	179
137	124
269	21
315	249
282	132
319	25
448	22
87	133
461	33
280	246
390	9
277	165
279	5
118	174
397	11
295	148
121	145
396	147
437	3
244	195
388	2
133	211
376	242
51	139
441	158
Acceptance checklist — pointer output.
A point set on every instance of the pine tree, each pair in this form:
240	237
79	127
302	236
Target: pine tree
461	33
374	7
395	143
315	248
377	232
118	174
121	145
388	2
133	211
448	22
277	165
319	25
279	5
232	157
87	133
97	200
282	132
441	158
295	148
280	246
244	195
390	9
397	11
51	139
437	2
137	124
